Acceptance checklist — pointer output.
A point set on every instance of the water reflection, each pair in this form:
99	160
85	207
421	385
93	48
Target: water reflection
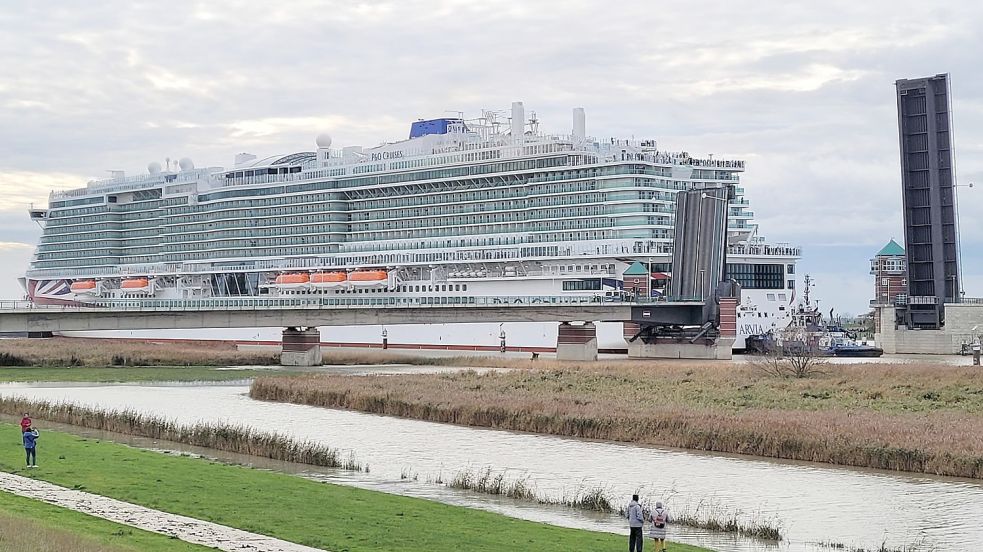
815	503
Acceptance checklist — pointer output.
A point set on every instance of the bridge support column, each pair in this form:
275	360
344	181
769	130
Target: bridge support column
674	347
720	348
301	347
576	342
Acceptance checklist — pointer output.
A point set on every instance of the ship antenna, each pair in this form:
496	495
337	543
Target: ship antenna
808	282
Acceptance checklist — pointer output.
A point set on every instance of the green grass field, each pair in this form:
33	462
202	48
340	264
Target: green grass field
28	525
121	374
332	517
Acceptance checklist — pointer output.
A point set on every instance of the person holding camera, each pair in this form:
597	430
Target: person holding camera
30	445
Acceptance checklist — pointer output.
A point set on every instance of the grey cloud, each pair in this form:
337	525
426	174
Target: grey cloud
803	92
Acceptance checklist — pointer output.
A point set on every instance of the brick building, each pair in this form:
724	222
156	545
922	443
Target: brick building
890	275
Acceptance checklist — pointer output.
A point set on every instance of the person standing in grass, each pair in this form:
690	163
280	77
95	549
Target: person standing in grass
635	521
30	445
657	531
25	423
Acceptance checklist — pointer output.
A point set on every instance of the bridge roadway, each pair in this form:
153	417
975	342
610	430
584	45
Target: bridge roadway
255	312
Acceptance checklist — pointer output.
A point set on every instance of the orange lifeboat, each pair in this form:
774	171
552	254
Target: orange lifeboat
328	279
84	286
369	278
292	279
135	283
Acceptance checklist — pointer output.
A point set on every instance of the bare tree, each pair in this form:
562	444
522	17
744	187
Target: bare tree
794	356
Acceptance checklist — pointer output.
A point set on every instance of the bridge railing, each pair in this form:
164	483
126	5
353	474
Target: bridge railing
315	303
282	303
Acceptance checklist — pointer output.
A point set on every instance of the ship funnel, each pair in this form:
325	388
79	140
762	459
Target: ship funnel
518	122
579	125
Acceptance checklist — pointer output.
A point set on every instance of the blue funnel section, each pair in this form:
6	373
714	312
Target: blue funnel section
433	126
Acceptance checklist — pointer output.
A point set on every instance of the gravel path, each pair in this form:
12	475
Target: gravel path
181	527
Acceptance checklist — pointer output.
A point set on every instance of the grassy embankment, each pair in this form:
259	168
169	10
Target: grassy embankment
332	517
917	417
28	525
220	436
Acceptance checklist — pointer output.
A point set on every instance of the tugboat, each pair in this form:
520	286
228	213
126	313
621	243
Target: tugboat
845	346
808	332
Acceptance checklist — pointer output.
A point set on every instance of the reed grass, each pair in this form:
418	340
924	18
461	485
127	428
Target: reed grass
229	438
916	418
708	514
921	545
487	482
595	498
74	351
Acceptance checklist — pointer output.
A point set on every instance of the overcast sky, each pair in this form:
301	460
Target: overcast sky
803	93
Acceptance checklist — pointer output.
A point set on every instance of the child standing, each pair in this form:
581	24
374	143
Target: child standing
25	423
657	531
30	445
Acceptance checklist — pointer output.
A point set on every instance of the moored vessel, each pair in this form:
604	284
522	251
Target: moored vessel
462	208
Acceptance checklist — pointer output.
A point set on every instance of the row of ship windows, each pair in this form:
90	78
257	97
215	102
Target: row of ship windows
481	224
112	247
375	247
407	193
399	289
340	231
550	176
102	240
95	223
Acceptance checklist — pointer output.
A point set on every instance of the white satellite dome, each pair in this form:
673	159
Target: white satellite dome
154	168
323	140
186	164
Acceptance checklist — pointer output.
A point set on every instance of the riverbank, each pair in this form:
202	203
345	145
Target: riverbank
322	515
130	374
28	525
908	417
76	351
73	352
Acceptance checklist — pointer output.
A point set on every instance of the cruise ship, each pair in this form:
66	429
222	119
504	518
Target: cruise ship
462	208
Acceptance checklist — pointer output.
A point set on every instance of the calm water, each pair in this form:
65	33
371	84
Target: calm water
814	503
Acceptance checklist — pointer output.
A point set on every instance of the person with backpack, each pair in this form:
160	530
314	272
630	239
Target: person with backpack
635	521
30	445
657	531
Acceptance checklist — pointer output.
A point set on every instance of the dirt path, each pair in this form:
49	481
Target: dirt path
181	527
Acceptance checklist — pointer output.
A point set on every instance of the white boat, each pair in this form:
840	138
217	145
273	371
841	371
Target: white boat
491	206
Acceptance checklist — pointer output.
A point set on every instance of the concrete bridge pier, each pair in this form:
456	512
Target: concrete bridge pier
674	347
301	347
576	341
718	347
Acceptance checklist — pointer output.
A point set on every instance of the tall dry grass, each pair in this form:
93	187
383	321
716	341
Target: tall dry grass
73	351
225	437
909	418
24	535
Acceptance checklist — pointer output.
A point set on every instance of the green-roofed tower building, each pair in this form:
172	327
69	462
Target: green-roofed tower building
890	270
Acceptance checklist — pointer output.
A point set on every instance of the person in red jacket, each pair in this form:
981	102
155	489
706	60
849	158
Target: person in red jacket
25	423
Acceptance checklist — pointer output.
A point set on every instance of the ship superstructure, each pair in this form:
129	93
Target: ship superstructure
462	208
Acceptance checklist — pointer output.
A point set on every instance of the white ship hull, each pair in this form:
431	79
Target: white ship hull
760	311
